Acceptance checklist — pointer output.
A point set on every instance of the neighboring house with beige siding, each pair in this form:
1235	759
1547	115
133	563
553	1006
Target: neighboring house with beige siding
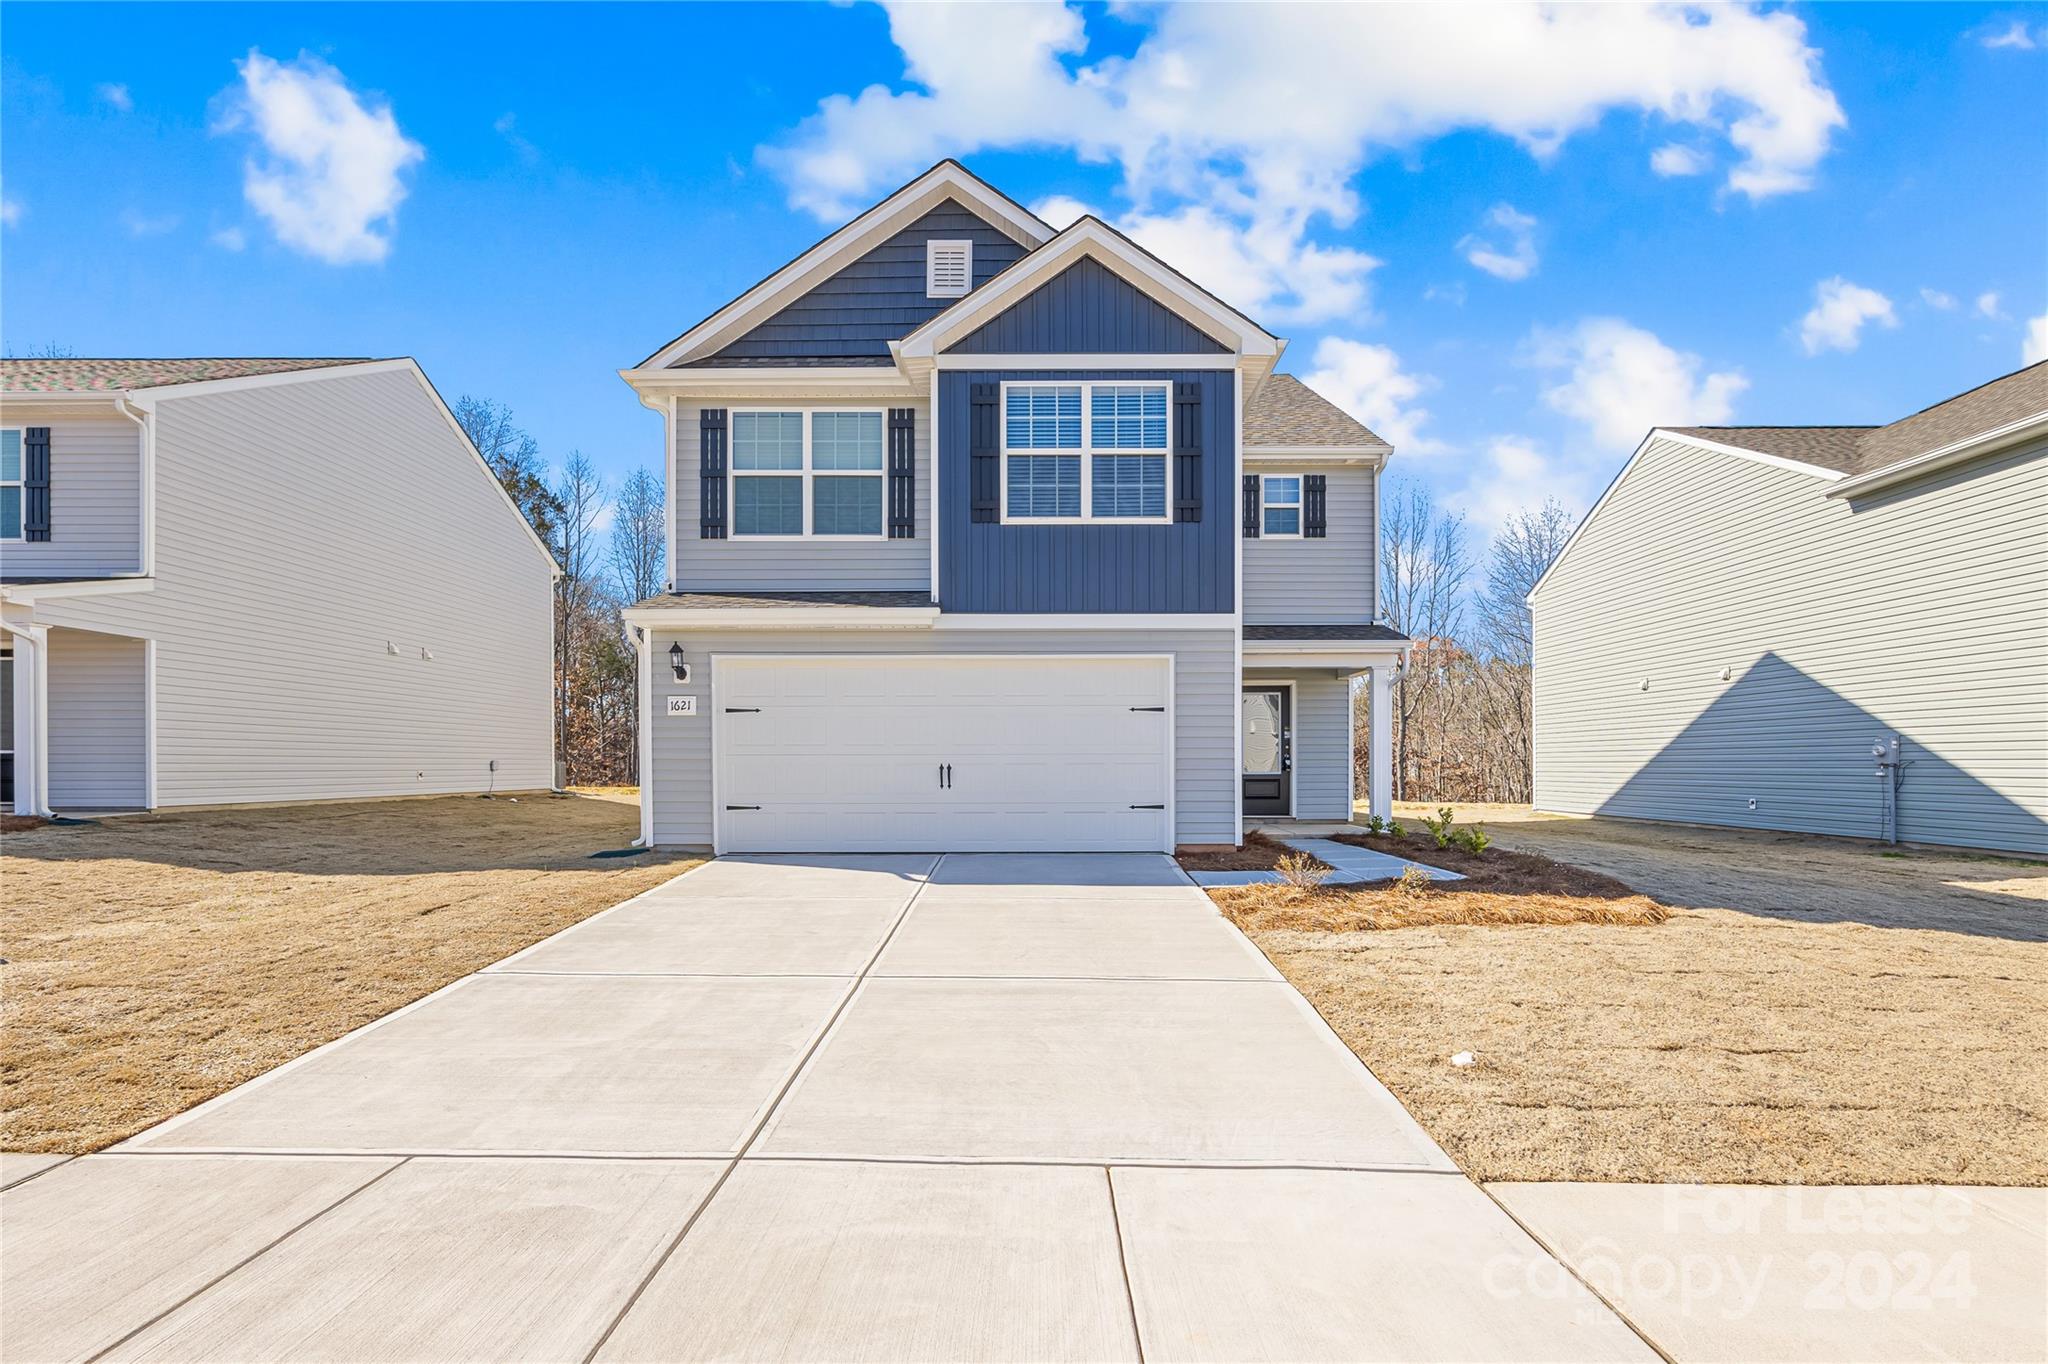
228	581
1749	612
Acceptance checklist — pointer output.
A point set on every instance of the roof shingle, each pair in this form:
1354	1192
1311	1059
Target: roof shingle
73	375
1287	412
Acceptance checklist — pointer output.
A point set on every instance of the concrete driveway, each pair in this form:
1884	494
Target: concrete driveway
809	1108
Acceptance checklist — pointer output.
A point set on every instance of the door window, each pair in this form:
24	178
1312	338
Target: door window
1262	732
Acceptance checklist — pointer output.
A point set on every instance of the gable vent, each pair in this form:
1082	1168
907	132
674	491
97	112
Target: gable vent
948	268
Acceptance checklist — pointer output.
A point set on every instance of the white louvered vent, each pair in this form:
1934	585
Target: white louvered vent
948	268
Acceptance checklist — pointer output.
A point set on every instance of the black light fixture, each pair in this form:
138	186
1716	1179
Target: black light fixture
675	661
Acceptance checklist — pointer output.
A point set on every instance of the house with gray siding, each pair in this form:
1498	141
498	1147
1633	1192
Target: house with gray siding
236	581
986	536
1828	629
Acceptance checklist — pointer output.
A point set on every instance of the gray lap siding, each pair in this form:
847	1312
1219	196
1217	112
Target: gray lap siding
1205	709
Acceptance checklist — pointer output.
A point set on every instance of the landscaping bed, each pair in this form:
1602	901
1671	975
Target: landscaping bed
153	961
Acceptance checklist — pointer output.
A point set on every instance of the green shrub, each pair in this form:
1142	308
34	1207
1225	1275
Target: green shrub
1397	829
1472	838
1440	827
1375	825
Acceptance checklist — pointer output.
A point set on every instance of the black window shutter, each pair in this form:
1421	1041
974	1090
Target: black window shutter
35	483
1187	451
1251	506
984	482
1313	517
902	473
711	474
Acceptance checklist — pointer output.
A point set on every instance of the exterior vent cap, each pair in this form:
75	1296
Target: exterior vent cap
948	267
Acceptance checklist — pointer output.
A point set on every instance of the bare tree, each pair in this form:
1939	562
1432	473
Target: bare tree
1424	564
638	540
48	350
1522	550
514	456
580	592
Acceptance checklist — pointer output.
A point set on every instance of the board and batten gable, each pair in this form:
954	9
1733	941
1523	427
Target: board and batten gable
1205	709
345	604
1290	580
879	297
1170	567
790	564
1721	632
95	495
1087	308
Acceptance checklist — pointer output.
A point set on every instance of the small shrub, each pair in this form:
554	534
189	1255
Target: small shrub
1397	829
1472	839
1440	827
1414	881
1375	825
1301	871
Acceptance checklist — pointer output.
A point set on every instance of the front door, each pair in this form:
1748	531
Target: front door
1268	722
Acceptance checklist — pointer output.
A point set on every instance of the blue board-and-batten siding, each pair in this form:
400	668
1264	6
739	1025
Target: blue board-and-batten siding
1178	567
880	297
1086	309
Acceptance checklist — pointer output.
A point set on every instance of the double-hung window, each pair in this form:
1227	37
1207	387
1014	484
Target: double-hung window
1280	505
10	483
1084	452
813	472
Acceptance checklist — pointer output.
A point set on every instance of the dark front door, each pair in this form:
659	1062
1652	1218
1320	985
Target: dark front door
1268	721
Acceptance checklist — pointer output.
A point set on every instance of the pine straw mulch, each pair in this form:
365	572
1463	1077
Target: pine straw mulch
153	961
1500	887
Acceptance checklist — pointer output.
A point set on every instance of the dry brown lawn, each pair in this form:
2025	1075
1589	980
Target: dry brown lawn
153	961
1809	1012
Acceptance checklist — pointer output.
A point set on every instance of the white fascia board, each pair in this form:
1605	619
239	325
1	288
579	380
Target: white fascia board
1317	454
14	399
1092	238
676	620
146	400
1106	620
947	180
1954	453
1354	660
28	594
1101	360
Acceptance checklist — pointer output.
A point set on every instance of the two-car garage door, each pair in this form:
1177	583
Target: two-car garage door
936	754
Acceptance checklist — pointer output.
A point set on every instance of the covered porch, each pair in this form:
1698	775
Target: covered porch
76	724
1297	739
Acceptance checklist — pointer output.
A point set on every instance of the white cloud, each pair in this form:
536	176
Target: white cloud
115	96
1062	211
1674	158
1239	129
1511	256
1368	381
1936	298
1453	294
1840	310
329	182
2016	35
1987	305
229	239
506	125
1623	381
2034	347
1514	475
11	212
141	224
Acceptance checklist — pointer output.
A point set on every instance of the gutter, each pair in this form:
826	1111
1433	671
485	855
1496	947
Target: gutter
1956	452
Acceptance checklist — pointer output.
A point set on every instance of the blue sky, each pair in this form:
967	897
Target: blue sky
1510	240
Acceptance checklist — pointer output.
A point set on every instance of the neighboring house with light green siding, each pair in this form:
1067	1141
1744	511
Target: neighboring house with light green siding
1750	612
231	581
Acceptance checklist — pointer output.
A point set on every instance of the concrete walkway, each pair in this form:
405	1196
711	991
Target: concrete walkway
960	1108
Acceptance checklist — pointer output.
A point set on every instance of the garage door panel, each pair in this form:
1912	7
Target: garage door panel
845	754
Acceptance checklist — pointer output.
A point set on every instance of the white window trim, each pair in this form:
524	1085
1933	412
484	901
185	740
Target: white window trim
806	473
1086	450
21	483
932	247
1300	510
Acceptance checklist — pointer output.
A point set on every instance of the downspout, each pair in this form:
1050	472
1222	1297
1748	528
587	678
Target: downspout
145	530
642	639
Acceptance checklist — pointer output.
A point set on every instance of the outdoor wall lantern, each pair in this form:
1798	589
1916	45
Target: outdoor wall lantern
675	661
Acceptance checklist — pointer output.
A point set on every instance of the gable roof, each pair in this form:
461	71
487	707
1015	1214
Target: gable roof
73	375
1825	447
1285	412
947	179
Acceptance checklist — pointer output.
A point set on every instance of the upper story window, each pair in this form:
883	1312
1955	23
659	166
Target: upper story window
10	483
1280	503
1084	452
948	267
813	472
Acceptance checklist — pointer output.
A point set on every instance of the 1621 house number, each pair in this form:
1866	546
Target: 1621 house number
682	705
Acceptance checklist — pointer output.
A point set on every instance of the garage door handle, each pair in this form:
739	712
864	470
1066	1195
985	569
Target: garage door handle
1160	709
1148	807
742	710
742	807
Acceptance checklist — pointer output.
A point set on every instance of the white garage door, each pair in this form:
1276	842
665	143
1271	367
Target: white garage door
870	754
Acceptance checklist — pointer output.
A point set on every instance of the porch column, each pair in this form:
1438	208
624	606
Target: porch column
1380	742
31	718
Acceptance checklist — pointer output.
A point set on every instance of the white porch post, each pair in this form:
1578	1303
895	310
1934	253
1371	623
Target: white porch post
1380	795
31	719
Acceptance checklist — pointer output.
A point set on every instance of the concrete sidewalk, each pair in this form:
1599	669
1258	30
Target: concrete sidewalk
976	1107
